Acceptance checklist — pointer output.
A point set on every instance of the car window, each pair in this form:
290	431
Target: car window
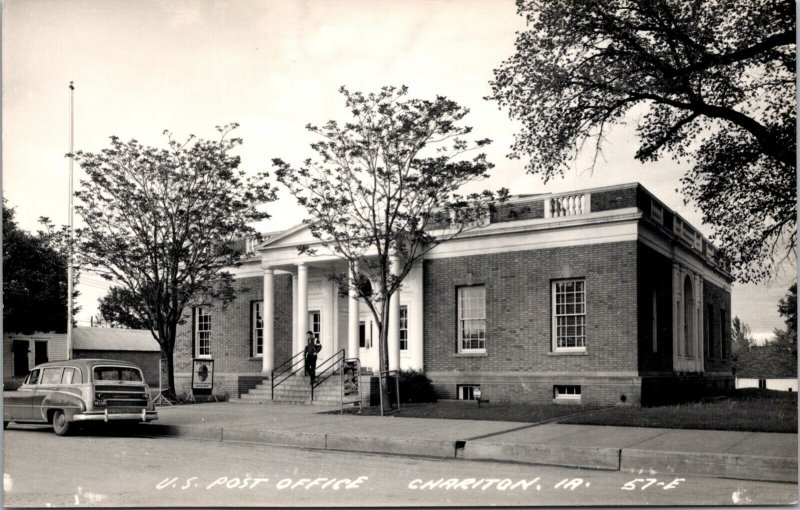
33	377
71	376
51	376
117	374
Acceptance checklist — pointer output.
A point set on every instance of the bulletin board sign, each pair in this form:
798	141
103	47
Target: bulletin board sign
202	375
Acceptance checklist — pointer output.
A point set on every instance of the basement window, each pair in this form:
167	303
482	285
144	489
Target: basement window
466	391
567	393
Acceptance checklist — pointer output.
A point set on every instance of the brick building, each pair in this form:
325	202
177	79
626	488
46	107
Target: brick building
596	296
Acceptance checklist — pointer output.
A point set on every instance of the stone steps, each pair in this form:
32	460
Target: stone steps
295	390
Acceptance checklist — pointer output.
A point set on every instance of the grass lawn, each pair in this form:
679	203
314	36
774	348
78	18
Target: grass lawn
469	410
750	410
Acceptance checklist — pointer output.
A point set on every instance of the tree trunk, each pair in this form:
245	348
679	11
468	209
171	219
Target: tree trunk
384	356
167	353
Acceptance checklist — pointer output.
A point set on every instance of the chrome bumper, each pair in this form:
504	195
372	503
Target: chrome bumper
145	415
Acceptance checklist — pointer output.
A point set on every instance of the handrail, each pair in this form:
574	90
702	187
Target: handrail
289	368
336	363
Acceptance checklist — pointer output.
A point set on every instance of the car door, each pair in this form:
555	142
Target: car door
17	404
49	382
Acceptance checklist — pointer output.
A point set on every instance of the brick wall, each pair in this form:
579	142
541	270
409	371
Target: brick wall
518	309
231	336
614	199
655	274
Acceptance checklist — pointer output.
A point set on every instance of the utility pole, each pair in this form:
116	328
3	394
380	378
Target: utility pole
70	268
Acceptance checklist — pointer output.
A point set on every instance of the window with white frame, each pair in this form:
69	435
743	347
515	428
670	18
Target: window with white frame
466	391
570	392
472	318
257	328
202	331
569	315
403	328
315	323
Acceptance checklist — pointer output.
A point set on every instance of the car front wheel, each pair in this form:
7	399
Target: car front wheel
60	424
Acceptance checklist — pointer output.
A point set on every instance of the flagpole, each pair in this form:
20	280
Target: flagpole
70	268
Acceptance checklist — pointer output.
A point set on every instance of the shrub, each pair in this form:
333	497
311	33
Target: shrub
415	387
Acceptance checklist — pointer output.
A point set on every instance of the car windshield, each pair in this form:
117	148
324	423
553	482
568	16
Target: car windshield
117	374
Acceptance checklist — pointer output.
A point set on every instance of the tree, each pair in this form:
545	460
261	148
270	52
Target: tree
120	309
741	338
34	277
786	339
711	83
161	223
386	184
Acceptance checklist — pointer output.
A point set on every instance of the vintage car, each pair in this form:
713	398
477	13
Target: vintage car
80	390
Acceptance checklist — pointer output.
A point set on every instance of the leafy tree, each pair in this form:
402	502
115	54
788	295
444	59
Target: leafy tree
34	277
386	184
161	221
741	338
121	308
710	83
786	339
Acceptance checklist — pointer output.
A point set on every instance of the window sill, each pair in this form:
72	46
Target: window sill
470	354
567	353
256	358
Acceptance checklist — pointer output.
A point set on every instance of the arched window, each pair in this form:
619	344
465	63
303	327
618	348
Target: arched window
688	317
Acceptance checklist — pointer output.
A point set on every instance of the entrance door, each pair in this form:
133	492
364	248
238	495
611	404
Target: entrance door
20	349
40	354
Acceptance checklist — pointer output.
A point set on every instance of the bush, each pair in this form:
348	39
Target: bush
415	387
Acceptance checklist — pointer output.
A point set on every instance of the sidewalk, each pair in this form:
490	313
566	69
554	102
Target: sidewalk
742	455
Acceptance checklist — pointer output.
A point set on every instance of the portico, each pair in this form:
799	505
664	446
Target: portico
341	322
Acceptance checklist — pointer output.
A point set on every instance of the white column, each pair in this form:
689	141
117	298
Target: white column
699	324
394	320
295	335
352	320
328	310
302	306
415	323
268	317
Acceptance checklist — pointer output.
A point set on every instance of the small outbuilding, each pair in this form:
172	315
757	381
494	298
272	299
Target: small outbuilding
134	345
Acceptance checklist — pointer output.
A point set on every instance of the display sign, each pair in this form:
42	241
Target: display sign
202	374
350	378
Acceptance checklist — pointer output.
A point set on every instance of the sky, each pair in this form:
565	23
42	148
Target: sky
141	67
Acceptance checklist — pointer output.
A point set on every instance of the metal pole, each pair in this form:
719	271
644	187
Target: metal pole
70	269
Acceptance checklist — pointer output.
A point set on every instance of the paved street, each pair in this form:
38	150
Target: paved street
102	469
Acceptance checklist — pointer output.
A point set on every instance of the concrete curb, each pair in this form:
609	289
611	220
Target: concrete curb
554	455
719	465
188	431
395	445
276	437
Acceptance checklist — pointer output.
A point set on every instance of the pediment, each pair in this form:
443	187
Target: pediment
297	235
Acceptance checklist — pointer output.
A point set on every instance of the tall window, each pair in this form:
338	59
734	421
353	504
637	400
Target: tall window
257	327
723	327
569	315
403	328
362	334
711	341
202	331
472	318
315	323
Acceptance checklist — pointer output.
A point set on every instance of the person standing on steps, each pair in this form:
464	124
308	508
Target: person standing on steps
312	348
